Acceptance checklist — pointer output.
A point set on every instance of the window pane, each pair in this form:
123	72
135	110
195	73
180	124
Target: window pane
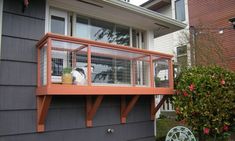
182	61
102	31
181	50
57	25
57	66
82	28
122	35
180	10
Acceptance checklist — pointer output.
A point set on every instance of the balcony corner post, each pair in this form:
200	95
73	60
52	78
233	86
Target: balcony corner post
171	74
49	44
151	71
89	65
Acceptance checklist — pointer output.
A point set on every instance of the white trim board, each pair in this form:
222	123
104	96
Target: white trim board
1	11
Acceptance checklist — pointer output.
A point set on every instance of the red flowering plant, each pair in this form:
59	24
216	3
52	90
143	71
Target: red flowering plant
205	99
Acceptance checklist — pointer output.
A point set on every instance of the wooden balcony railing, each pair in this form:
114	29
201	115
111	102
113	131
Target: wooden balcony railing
98	69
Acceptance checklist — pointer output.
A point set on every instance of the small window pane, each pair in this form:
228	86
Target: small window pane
182	61
102	31
179	10
82	28
57	25
181	50
57	66
122	35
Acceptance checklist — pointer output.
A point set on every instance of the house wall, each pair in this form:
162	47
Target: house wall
66	117
168	43
215	14
166	11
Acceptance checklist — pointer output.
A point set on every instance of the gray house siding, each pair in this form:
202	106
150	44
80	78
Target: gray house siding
66	117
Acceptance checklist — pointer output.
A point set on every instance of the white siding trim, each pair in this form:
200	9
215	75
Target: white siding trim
1	11
47	17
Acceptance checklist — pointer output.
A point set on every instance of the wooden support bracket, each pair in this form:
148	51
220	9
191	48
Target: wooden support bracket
126	109
43	103
154	109
91	108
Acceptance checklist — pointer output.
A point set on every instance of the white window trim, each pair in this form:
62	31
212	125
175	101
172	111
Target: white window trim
58	13
1	11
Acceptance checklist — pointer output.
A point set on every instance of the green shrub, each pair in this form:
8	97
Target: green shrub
67	70
205	99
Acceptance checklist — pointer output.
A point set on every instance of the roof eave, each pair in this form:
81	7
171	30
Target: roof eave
146	12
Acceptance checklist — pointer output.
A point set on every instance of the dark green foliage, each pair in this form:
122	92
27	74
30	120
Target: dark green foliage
67	70
205	99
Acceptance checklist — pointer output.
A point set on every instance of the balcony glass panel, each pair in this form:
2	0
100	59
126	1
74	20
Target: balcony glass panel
73	56
43	65
161	68
141	72
111	66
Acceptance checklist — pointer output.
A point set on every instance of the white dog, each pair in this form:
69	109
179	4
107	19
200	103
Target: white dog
80	75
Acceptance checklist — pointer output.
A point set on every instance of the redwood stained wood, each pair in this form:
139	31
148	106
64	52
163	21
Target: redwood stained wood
43	103
91	108
125	110
155	109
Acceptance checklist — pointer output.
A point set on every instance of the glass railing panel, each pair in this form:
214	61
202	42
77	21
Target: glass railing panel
161	71
43	65
110	67
141	70
69	61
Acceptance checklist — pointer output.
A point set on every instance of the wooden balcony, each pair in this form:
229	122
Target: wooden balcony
107	69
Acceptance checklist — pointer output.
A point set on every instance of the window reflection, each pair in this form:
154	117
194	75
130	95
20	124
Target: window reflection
102	31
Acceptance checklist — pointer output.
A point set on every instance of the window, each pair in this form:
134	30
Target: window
57	66
105	69
82	28
57	25
182	56
102	31
58	21
179	10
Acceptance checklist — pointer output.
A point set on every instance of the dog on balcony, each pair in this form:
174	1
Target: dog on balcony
80	75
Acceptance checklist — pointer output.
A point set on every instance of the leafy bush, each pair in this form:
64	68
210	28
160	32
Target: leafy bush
67	70
205	99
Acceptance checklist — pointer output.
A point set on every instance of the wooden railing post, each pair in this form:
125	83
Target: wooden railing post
39	67
151	71
134	73
170	74
49	44
89	65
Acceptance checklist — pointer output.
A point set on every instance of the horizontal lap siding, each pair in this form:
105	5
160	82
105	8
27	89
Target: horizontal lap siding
15	49
140	131
66	117
70	114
